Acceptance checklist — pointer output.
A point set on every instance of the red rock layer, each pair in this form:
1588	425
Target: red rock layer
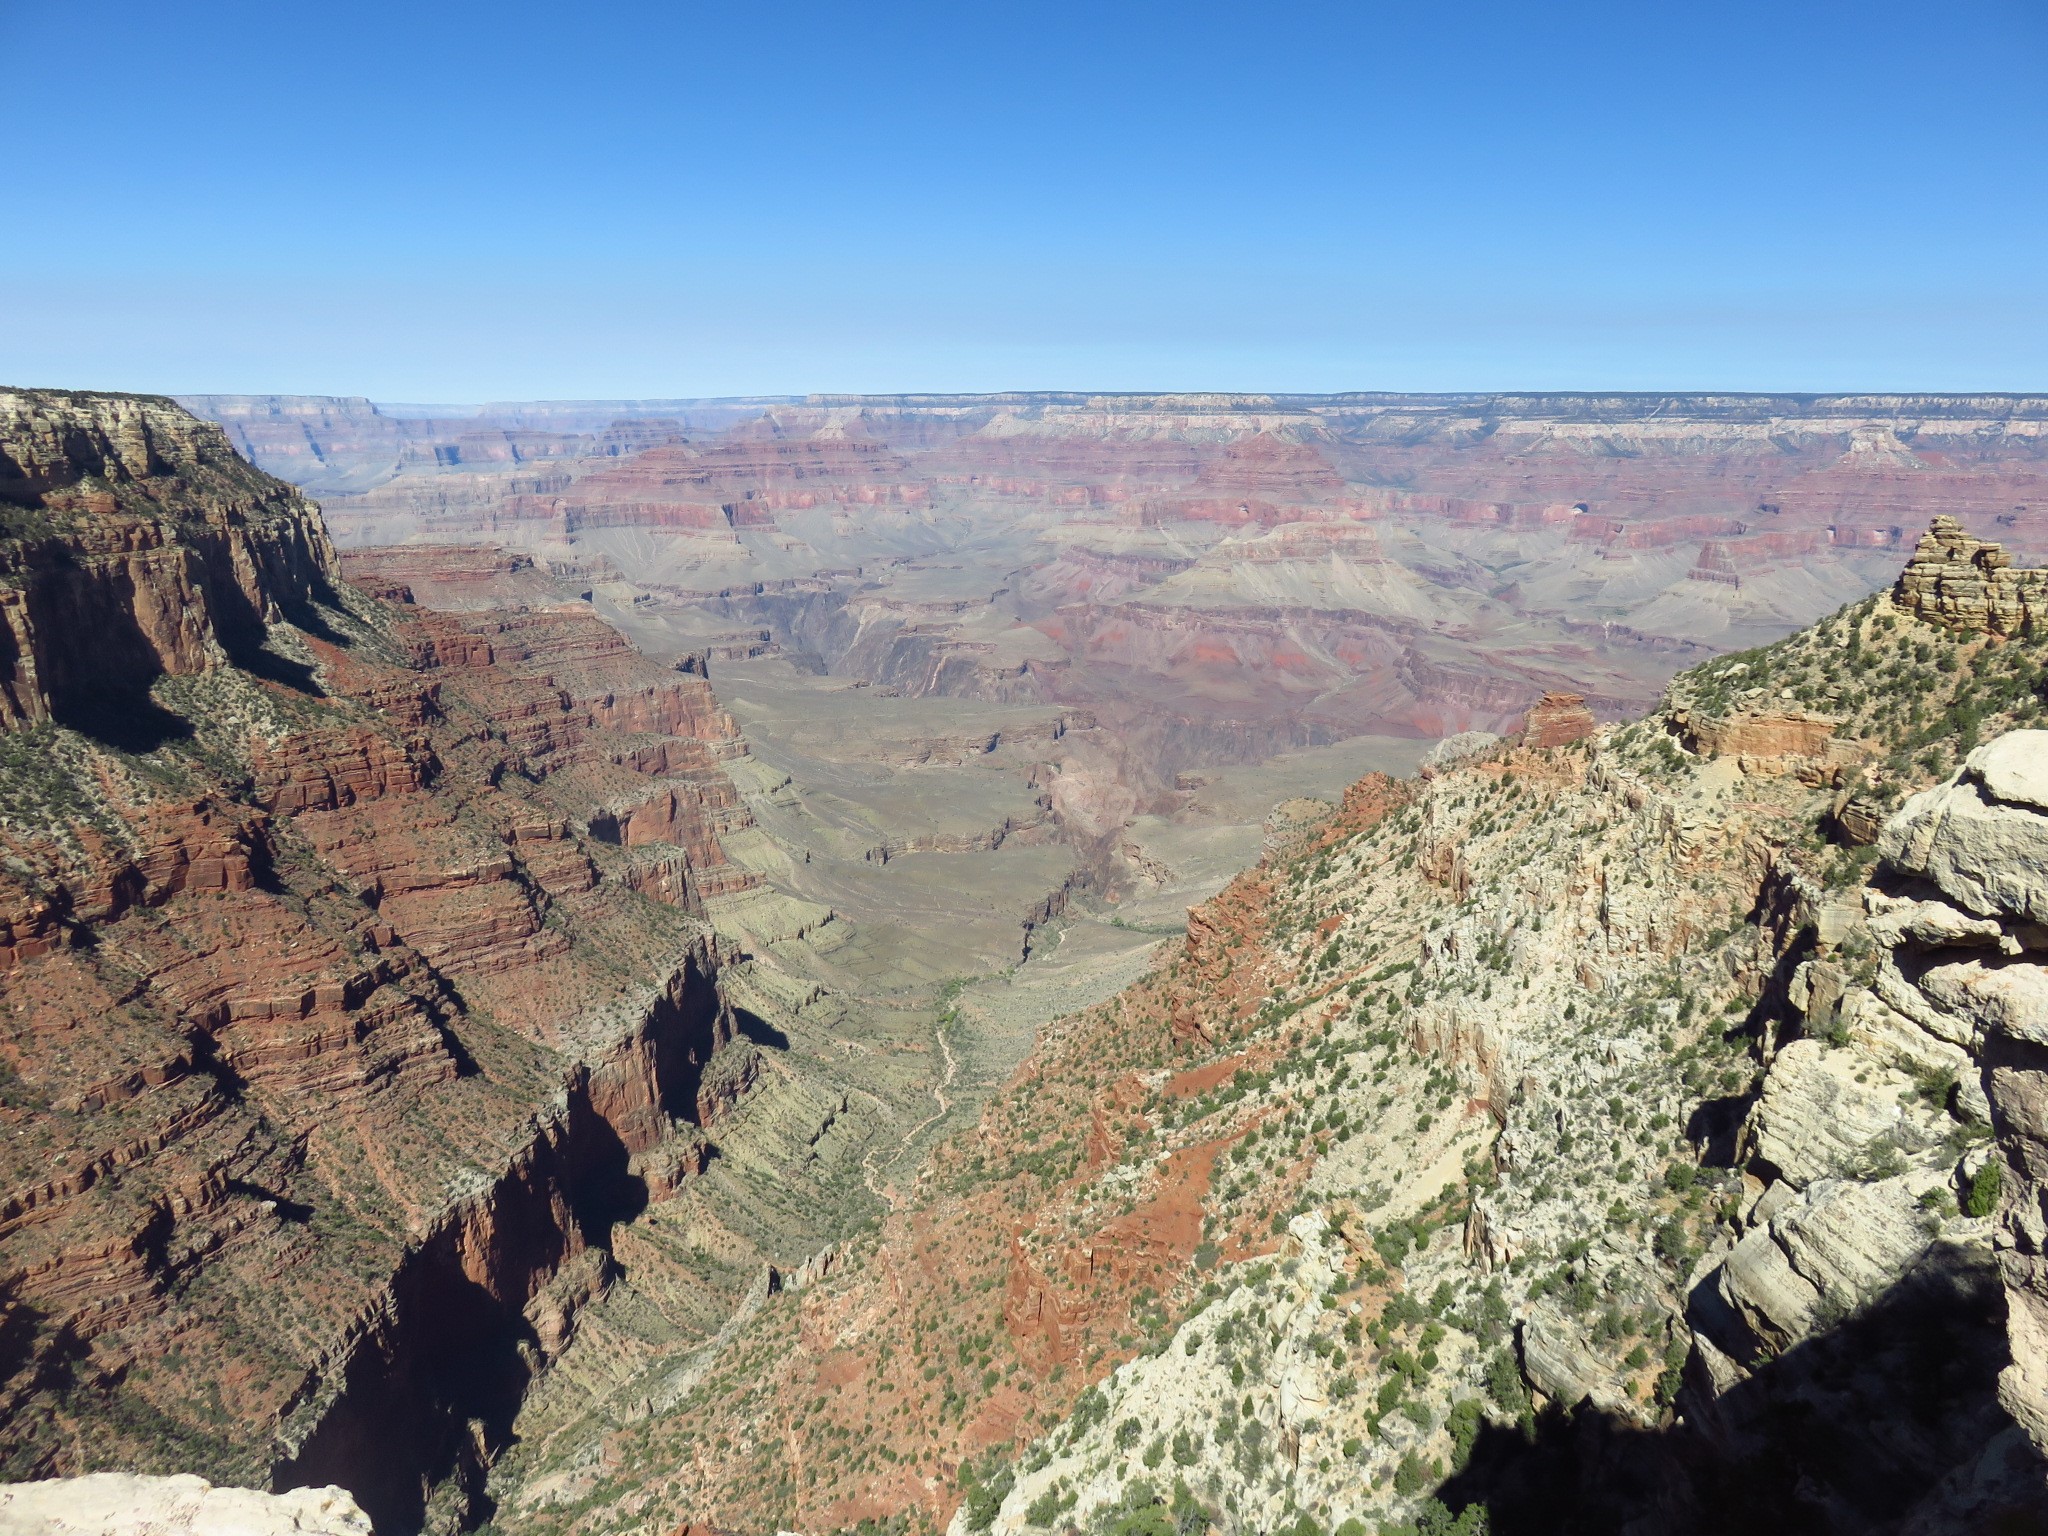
1557	720
118	570
328	1033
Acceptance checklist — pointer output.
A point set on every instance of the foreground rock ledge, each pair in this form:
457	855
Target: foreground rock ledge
1981	841
122	1504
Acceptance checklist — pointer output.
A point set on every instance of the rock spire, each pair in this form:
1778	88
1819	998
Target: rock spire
1969	584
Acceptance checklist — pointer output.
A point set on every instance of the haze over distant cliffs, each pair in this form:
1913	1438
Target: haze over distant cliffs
1387	564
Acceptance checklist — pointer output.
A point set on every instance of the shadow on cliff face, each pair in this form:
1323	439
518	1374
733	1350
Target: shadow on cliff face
430	1398
1715	1127
19	1325
127	720
1880	1425
42	1366
105	636
246	639
431	1392
427	1409
94	661
686	1032
757	1029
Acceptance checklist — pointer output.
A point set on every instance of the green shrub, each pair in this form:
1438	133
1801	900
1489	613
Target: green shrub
1151	1520
1090	1409
1463	1426
1982	1196
1504	1384
1409	1476
1670	1244
983	1495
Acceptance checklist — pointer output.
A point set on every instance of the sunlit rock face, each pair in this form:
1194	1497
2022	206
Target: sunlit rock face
1977	956
121	1504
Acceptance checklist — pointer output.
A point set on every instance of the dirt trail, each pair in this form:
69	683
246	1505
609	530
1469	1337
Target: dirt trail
940	1097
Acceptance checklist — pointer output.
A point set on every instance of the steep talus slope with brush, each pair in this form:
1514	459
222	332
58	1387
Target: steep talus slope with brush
1583	1136
361	1027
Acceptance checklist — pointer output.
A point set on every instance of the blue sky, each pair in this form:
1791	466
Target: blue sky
456	201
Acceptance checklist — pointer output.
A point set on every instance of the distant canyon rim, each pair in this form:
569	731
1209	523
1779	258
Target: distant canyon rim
1188	584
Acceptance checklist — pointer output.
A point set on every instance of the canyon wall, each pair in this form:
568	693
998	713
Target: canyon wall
341	1028
417	1080
139	545
1967	936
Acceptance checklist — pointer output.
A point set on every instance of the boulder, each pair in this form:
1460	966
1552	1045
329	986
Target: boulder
2014	768
1997	995
1986	856
1850	1239
1835	1247
1814	1118
1562	1366
1775	1302
1932	925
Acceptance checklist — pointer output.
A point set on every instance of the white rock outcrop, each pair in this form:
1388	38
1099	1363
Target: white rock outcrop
1822	1110
1986	854
125	1504
1982	838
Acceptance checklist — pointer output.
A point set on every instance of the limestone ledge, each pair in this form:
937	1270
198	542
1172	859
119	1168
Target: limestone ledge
123	1504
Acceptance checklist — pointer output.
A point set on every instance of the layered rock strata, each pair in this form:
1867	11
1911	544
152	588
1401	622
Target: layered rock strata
1407	566
137	545
341	1021
1558	720
1964	583
1969	963
1570	1133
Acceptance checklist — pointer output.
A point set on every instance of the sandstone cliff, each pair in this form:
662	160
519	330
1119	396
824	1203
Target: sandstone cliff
1592	1124
1394	565
1967	964
354	987
1969	584
137	545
